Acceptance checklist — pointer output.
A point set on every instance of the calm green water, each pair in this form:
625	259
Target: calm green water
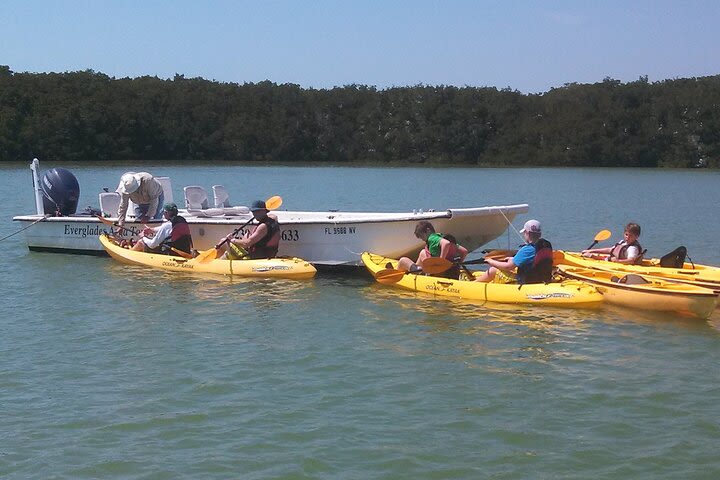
115	372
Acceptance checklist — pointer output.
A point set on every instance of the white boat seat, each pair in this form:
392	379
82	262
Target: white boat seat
195	197
109	203
222	199
167	189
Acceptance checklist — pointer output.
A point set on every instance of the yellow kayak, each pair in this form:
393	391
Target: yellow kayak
295	268
568	293
646	292
694	274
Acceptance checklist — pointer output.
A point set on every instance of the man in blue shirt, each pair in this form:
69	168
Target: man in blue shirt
505	270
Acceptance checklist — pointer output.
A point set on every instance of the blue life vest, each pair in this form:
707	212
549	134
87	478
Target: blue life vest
540	270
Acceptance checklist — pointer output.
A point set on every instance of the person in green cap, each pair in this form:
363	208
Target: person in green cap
172	237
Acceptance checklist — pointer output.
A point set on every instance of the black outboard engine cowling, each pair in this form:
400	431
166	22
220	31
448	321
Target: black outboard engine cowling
61	192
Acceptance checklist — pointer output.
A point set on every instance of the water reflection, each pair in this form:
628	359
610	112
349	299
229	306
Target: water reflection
139	284
536	316
518	340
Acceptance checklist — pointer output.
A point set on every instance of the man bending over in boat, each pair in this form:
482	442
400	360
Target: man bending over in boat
436	245
531	264
171	237
627	250
145	192
263	241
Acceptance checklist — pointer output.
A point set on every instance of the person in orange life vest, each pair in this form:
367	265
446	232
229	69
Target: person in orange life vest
436	245
628	250
531	264
173	232
264	240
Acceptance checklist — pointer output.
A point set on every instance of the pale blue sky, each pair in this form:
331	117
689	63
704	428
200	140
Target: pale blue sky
530	46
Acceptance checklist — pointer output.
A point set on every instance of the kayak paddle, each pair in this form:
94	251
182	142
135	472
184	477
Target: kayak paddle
110	223
601	235
389	276
434	265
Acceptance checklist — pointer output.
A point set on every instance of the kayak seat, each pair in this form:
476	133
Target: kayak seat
674	259
109	203
195	197
167	189
220	196
632	279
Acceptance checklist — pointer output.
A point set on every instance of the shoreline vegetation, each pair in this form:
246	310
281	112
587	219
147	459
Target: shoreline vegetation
89	116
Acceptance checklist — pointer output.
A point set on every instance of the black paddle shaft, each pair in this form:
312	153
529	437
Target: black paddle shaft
234	232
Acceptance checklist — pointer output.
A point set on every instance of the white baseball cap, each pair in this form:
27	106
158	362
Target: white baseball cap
532	226
128	183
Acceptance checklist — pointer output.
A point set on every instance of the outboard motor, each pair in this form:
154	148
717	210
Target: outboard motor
61	192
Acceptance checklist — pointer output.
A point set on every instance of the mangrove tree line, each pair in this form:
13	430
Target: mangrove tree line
87	115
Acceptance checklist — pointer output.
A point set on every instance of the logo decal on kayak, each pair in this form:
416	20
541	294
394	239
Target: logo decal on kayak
270	268
543	296
443	288
177	264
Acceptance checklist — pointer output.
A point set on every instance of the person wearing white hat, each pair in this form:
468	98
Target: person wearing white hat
145	192
531	264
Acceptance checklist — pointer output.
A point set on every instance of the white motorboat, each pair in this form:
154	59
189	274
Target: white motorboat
330	238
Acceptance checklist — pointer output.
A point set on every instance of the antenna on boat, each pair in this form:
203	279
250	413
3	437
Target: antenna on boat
36	187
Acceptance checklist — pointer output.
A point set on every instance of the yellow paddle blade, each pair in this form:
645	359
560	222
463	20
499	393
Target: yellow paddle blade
603	235
207	256
435	265
389	276
500	253
273	203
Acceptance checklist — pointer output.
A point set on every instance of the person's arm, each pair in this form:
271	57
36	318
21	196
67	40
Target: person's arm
161	233
123	208
255	237
596	250
154	205
447	247
507	264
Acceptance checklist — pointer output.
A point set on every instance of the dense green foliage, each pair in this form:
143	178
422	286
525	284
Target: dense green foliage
90	116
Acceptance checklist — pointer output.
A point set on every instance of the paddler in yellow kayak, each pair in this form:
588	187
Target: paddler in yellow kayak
531	264
628	250
172	237
436	245
264	240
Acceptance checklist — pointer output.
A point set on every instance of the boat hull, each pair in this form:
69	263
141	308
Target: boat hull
293	268
562	294
322	238
656	295
705	276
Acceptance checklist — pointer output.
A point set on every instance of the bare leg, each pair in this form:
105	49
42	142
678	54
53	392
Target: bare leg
405	264
423	255
139	246
486	276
